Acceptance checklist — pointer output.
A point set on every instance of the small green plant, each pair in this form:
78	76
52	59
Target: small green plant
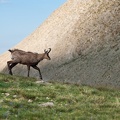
21	98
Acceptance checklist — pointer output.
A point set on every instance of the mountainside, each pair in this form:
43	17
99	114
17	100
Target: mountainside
85	39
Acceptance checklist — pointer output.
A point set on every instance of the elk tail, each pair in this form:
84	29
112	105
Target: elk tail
10	50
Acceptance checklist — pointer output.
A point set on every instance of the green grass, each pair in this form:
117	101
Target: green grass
20	99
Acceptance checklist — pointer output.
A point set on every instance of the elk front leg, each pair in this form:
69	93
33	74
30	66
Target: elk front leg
35	67
28	70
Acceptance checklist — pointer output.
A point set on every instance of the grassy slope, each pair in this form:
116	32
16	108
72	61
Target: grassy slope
20	99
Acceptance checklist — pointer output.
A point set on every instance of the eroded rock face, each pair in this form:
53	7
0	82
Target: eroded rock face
85	39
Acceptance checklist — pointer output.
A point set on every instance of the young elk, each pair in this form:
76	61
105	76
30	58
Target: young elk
27	58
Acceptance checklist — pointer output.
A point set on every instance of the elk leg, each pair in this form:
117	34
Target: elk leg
35	67
10	66
28	70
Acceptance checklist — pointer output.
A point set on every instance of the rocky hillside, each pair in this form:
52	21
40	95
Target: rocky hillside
85	39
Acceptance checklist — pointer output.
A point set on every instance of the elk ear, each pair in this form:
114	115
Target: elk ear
45	50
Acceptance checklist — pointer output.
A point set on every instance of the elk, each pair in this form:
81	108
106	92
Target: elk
27	58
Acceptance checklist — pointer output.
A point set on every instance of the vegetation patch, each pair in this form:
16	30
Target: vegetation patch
21	98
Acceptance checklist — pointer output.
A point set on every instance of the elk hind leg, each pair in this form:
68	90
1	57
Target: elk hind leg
11	64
